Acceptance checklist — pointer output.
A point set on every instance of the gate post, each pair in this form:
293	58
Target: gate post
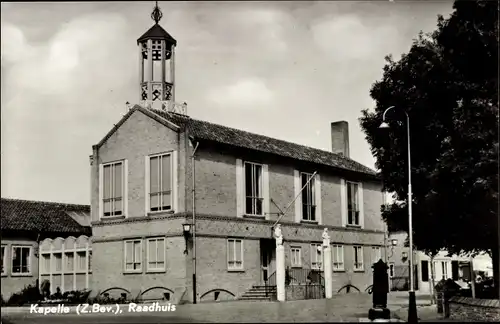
327	264
280	264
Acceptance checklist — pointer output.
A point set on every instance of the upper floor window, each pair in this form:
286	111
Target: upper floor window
376	254
113	189
308	197
358	258
21	263
444	269
316	256
70	261
160	182
352	203
253	189
4	260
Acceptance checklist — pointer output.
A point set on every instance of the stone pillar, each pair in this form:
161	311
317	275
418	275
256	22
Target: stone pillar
327	267
280	272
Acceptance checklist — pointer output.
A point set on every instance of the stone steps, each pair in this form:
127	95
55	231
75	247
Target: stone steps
259	293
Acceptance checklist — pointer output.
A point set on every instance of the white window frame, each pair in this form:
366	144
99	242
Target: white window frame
134	261
156	269
311	185
65	260
45	264
173	182
29	273
358	203
358	251
81	255
124	190
391	272
261	189
293	251
4	260
376	254
53	263
315	259
338	263
444	269
233	240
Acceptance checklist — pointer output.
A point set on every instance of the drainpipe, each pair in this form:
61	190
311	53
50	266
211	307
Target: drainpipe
194	220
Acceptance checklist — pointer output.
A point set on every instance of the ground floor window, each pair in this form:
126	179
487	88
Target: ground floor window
21	259
234	254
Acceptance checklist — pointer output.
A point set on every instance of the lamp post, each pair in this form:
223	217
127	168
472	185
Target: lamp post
412	309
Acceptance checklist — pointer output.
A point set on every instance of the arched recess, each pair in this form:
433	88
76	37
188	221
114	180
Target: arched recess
217	295
165	293
348	289
119	289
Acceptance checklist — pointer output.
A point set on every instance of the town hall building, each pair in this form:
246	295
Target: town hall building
184	207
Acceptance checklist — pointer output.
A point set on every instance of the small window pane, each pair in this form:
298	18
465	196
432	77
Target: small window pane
107	182
118	193
154	171
166	176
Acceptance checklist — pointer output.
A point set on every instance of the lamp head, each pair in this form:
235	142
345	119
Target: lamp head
186	228
384	125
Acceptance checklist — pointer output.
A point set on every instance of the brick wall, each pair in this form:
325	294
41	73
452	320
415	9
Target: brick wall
475	310
14	283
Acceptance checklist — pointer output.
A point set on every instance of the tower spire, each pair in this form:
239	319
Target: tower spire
156	15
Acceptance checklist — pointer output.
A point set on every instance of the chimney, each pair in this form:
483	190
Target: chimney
340	138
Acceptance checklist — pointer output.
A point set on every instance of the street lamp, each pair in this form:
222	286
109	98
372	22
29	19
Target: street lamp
186	230
412	309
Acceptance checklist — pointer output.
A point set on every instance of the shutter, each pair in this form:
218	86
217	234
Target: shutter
175	184
317	192
265	191
125	188
239	188
343	202
298	200
101	190
146	185
361	206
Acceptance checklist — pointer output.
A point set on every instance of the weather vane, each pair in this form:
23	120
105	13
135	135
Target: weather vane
156	14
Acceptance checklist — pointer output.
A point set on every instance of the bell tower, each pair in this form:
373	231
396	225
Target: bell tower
157	65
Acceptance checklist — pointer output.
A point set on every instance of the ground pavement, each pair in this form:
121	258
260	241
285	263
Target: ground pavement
341	308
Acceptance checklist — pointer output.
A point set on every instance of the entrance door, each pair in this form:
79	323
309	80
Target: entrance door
267	258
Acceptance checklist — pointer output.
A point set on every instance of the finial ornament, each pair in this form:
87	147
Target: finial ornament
156	15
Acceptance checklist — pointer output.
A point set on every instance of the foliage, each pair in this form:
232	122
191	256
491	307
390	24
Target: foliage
448	85
29	294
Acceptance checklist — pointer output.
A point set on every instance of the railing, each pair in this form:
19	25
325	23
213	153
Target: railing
299	277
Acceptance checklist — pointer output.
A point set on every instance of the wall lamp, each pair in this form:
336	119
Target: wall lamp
394	242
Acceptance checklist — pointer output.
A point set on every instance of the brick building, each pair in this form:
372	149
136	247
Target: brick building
144	190
28	228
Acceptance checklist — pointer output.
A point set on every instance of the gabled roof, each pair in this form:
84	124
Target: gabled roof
203	130
42	217
157	32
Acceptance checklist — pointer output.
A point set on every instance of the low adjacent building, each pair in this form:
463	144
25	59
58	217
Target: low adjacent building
56	233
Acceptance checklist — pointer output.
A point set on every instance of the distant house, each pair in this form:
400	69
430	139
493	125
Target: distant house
44	240
444	266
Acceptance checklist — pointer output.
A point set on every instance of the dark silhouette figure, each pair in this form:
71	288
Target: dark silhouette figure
379	292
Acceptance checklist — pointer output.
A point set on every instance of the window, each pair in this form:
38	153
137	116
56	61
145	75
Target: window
253	189
338	257
358	258
45	263
21	259
133	256
113	189
156	254
4	260
352	204
234	254
296	253
160	182
425	271
316	256
57	259
444	269
308	197
376	254
81	260
70	261
391	270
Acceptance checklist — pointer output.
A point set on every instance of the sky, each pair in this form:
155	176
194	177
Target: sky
281	69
